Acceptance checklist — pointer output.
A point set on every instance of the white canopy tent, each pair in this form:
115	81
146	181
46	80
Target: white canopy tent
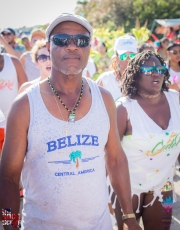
165	22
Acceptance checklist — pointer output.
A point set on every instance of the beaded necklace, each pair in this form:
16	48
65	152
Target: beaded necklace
72	115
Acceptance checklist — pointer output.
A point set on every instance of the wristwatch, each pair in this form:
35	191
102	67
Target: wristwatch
127	216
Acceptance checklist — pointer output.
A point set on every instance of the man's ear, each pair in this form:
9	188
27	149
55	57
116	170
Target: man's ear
48	46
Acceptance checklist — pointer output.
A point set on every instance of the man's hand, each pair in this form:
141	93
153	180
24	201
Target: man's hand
9	48
2	40
131	224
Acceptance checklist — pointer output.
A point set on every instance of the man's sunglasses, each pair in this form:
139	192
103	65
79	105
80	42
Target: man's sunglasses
123	57
174	52
42	58
7	34
148	70
64	40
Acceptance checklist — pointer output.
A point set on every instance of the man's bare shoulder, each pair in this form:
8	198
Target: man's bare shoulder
20	106
106	94
27	84
108	100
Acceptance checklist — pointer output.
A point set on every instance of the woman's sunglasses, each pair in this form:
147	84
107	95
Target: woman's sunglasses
175	52
64	40
123	57
148	70
42	58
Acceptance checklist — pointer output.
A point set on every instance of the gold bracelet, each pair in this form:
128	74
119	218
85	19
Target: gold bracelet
127	216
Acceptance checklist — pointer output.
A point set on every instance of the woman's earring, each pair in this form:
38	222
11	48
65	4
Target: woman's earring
118	67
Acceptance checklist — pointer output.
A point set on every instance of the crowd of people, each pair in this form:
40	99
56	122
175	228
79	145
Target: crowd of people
66	136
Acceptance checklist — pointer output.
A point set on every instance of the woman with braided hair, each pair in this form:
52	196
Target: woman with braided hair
148	118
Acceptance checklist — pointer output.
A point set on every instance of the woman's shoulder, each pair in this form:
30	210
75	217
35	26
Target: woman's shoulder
125	100
106	77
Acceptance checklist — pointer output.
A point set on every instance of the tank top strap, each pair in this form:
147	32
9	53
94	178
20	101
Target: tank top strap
35	105
8	63
96	94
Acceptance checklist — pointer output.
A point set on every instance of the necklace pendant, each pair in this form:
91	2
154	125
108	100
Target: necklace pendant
72	118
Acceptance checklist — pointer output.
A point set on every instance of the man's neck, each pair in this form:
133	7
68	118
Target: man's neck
66	84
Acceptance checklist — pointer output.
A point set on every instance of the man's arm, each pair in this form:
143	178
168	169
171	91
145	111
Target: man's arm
179	158
116	163
21	75
13	155
9	48
23	59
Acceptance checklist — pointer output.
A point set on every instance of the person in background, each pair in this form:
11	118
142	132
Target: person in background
7	39
173	65
26	42
145	46
162	49
125	48
103	62
12	76
91	67
30	68
41	57
40	116
148	118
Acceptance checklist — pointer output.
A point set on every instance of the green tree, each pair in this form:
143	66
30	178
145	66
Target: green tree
114	13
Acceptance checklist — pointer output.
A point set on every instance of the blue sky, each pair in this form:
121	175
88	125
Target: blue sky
18	13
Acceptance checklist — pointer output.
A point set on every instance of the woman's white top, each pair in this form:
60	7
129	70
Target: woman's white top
174	76
109	81
150	150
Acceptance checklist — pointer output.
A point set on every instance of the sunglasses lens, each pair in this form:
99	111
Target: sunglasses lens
43	58
61	40
147	70
132	56
82	41
161	69
123	57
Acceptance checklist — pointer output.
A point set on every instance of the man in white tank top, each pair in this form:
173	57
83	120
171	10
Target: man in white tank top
65	134
12	76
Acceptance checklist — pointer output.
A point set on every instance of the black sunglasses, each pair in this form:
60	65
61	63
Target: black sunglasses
42	58
63	40
8	34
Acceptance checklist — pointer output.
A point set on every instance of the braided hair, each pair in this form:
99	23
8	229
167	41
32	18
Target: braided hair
132	73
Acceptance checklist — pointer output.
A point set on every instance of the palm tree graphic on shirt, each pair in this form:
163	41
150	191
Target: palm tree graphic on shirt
74	157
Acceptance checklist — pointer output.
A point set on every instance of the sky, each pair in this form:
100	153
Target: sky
19	13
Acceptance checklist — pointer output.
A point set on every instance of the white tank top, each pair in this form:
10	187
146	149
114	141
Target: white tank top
30	68
8	86
64	176
150	150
